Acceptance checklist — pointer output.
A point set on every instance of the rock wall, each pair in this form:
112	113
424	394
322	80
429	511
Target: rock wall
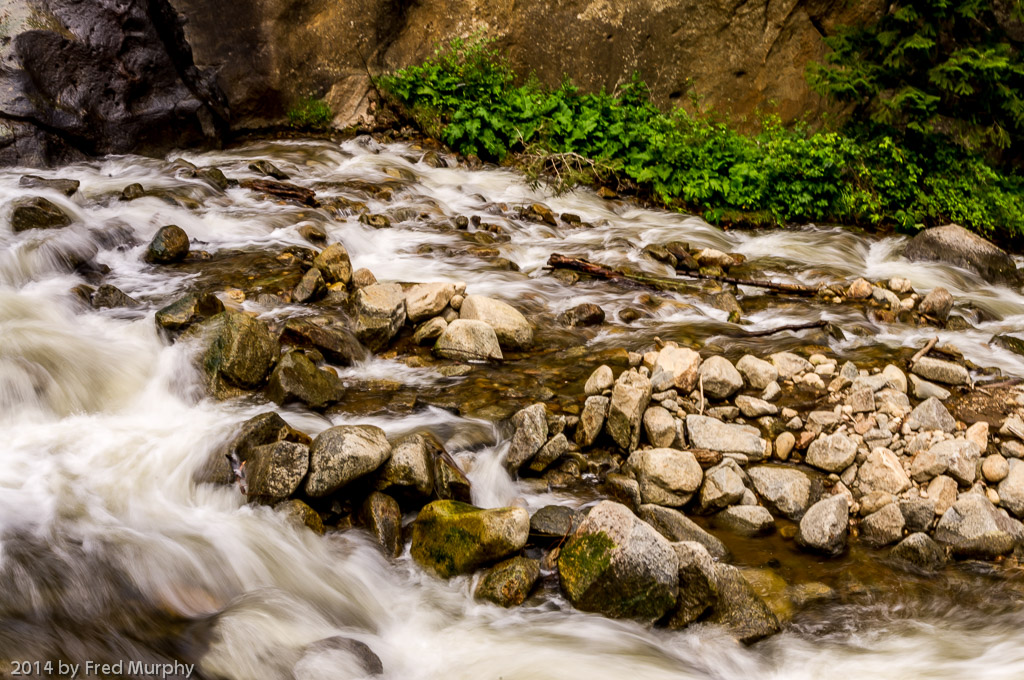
110	76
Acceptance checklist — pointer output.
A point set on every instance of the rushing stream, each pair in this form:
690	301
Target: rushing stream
110	551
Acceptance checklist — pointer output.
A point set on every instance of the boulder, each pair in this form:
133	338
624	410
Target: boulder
451	538
334	264
659	426
675	367
342	454
68	187
757	372
265	428
955	245
666	476
509	583
945	372
465	340
237	349
328	334
675	526
739	608
832	453
884	526
600	380
630	396
882	472
722	487
698	583
1011	489
931	414
752	407
296	378
111	297
429	331
380	313
424	300
825	525
719	377
918	513
555	521
38	213
921	552
789	364
188	310
956	457
936	303
973	528
895	378
530	431
554	449
511	327
709	433
311	287
273	472
409	471
382	517
746	520
170	244
586	314
786	491
617	565
595	409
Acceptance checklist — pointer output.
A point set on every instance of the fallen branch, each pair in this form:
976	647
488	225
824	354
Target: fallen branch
285	190
791	288
921	352
781	329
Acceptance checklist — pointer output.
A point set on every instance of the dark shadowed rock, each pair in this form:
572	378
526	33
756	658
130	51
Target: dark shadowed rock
921	552
383	519
109	297
296	378
37	213
973	528
188	310
586	314
238	349
68	187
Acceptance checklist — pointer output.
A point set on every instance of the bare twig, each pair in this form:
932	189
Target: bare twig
781	329
924	350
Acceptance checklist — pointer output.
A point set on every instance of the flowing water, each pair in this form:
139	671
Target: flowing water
109	551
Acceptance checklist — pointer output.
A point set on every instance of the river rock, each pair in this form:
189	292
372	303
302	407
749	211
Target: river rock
675	526
511	327
675	367
995	468
784	444
68	187
697	584
931	414
918	513
430	331
936	303
739	608
666	476
659	426
757	372
343	656
296	378
273	472
789	364
617	565
1011	489
311	287
450	482
892	403
238	349
380	313
595	409
825	525
465	340
746	520
509	583
832	453
708	433
752	407
334	264
586	314
111	297
555	521
265	428
301	514
530	431
383	519
884	526
600	380
895	378
409	471
956	457
860	289
921	552
188	310
328	334
450	538
719	377
170	244
787	491
722	487
973	528
424	300
630	396
342	454
945	372
942	490
955	245
922	389
37	212
882	472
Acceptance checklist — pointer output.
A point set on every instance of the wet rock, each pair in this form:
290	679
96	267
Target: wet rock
265	428
600	380
666	476
945	372
832	453
630	396
343	656
746	520
757	372
860	289
430	331
108	297
675	367
617	565
918	513
68	187
786	491
922	389
425	300
739	608
37	213
311	287
659	253
882	472
342	454
300	513
659	426
586	314
380	313
1011	489
509	583
450	482
530	431
554	521
334	264
697	584
188	310
451	538
296	378
937	304
268	169
383	519
884	526
363	277
554	449
592	418
789	364
719	377
886	298
170	244
722	486
375	221
465	340
973	528
327	334
931	414
825	525
955	245
921	552
675	526
409	472
238	349
132	192
511	327
957	457
943	490
708	433
273	472
995	468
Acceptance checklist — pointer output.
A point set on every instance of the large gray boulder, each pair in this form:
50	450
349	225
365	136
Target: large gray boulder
825	525
630	396
273	472
617	565
511	327
952	244
342	454
1011	489
785	490
675	526
974	528
832	453
666	476
709	433
530	431
465	340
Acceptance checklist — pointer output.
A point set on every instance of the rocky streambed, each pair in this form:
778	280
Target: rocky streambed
319	408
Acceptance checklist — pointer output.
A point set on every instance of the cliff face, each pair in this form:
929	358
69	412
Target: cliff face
101	76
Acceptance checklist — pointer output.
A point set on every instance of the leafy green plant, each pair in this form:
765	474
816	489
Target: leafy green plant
311	114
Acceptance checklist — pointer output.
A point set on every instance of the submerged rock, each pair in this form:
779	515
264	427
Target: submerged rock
342	454
109	297
37	213
509	583
68	187
451	538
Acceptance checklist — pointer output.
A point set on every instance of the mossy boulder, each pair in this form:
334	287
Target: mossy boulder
509	583
238	351
451	537
617	565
